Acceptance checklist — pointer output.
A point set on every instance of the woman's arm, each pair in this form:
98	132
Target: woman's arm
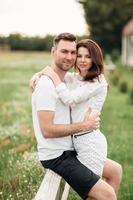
48	71
74	96
80	94
97	101
45	71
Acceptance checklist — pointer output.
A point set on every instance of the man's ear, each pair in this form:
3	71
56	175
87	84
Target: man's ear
52	51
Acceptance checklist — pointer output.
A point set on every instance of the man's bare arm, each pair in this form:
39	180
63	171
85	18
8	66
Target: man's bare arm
51	130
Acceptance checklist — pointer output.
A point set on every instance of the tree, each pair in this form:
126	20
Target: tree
106	20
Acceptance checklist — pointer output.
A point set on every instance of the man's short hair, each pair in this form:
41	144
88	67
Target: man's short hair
64	36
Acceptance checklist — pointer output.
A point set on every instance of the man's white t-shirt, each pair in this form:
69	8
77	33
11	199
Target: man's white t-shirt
45	98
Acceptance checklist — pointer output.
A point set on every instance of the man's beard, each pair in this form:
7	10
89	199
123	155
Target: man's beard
63	68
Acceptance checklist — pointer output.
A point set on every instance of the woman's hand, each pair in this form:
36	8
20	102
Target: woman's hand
92	116
48	71
34	80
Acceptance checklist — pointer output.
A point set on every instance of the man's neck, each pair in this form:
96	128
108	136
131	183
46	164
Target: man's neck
60	72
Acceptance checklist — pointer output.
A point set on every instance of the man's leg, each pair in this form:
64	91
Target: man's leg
112	172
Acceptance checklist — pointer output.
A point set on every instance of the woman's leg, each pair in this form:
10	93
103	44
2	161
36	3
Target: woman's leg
112	173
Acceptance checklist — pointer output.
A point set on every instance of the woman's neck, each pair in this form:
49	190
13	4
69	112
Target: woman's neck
83	74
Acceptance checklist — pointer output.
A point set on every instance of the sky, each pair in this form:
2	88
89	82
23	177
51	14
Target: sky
41	17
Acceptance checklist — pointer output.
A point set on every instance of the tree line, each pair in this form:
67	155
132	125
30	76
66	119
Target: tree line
18	42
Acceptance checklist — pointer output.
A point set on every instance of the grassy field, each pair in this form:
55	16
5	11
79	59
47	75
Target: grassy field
20	172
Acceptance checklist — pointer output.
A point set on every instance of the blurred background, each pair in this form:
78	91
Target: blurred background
27	28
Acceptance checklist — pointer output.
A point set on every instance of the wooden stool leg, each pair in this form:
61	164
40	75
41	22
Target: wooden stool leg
49	187
65	192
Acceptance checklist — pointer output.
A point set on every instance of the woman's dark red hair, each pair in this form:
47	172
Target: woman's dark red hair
96	55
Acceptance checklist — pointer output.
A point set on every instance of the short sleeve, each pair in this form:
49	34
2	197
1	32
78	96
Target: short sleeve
45	94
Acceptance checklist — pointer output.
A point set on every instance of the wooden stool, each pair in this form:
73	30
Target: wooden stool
50	188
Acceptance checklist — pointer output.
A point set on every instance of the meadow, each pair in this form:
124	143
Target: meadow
20	171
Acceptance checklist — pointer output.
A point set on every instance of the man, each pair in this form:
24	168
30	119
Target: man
51	120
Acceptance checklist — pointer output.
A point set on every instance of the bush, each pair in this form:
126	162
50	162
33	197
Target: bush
123	86
115	55
131	94
115	79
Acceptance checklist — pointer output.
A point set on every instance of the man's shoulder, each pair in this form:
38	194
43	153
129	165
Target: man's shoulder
45	81
45	84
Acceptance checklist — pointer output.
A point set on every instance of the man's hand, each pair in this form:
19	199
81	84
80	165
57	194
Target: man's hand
92	120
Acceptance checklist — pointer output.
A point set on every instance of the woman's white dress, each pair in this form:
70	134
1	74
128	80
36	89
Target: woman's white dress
91	147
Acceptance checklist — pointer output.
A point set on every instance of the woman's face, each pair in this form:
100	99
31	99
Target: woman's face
84	61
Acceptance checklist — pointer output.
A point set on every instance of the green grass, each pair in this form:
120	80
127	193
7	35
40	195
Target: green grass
20	172
117	125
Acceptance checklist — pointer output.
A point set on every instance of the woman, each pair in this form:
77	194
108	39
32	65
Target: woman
90	92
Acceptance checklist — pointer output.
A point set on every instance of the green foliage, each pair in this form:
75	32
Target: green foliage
115	77
131	94
106	20
115	55
123	86
20	42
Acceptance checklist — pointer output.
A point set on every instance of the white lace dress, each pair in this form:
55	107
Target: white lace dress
91	147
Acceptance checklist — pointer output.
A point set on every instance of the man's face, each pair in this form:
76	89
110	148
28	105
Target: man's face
64	54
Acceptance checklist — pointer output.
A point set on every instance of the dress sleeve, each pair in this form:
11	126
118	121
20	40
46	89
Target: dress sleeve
81	93
97	101
70	78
